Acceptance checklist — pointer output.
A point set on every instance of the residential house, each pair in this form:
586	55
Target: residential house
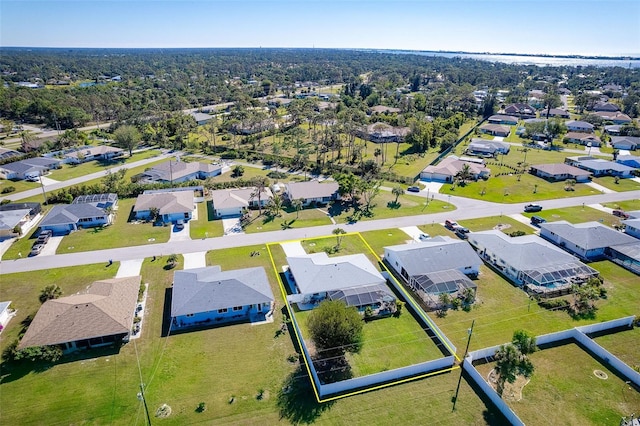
171	206
558	172
484	147
520	110
201	118
352	279
8	153
625	255
629	143
312	192
579	126
447	169
495	130
5	314
382	132
503	119
629	160
233	202
555	112
605	106
85	212
530	261
29	168
180	171
599	167
614	117
585	240
632	227
251	128
582	138
435	266
613	129
102	315
208	296
90	153
15	215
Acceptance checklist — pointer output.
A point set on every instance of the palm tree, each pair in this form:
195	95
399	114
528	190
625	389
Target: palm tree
260	184
297	204
275	205
338	232
172	260
397	191
50	292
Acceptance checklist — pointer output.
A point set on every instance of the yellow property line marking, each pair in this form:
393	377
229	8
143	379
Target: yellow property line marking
405	294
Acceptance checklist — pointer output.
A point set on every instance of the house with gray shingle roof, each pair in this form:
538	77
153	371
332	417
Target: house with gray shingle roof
352	279
90	153
172	206
102	315
625	255
599	167
180	171
582	138
556	172
435	266
84	212
579	126
529	261
16	214
312	191
201	117
495	129
233	202
629	160
485	147
632	227
625	142
208	296
29	167
503	119
448	168
586	240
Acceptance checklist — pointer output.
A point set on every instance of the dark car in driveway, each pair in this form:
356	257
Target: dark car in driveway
44	236
532	208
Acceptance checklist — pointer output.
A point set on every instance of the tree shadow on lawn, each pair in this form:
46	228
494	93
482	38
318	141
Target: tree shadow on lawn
210	213
296	400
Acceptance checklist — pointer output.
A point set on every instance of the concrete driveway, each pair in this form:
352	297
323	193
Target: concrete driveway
51	246
129	268
195	260
293	249
48	181
181	234
413	231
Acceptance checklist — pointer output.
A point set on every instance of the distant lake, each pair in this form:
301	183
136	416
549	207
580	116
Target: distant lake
540	61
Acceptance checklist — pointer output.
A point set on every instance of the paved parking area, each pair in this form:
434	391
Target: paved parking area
51	247
195	260
129	268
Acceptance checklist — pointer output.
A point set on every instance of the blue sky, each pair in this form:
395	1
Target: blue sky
590	27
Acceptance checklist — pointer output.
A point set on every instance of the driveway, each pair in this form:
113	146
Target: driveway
195	260
600	188
51	246
232	226
47	180
129	268
293	248
182	234
413	231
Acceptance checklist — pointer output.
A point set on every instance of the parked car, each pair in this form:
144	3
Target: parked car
450	224
461	234
413	189
424	237
44	236
460	228
532	208
621	213
180	225
36	249
536	220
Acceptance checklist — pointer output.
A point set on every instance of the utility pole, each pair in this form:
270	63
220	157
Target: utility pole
44	194
466	350
144	402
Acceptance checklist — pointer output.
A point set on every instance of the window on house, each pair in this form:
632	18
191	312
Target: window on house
237	308
189	315
222	311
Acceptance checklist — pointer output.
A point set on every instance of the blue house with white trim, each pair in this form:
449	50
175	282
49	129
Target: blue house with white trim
85	212
209	296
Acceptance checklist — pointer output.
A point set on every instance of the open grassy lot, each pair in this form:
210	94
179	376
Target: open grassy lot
69	171
508	189
206	226
622	185
577	215
502	308
121	233
19	185
504	223
629	205
349	244
564	384
624	345
288	218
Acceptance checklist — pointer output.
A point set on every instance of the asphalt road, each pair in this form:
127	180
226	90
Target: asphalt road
466	209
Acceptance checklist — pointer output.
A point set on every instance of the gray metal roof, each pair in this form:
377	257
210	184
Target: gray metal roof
70	213
317	273
447	281
588	235
435	254
605	165
209	289
10	218
630	250
363	295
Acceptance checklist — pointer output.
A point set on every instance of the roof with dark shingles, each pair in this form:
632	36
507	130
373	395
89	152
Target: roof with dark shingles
588	235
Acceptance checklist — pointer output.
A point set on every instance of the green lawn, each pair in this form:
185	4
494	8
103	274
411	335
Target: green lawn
508	189
121	233
504	223
624	345
206	226
577	215
288	218
503	308
19	185
564	384
69	171
622	185
629	205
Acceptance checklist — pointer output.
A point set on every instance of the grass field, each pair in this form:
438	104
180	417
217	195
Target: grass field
622	185
69	171
629	205
624	345
564	384
288	218
507	224
206	226
577	215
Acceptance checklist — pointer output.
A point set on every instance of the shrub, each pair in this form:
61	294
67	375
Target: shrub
8	189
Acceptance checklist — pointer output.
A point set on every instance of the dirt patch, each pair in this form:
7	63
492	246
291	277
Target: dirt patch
163	411
502	226
512	391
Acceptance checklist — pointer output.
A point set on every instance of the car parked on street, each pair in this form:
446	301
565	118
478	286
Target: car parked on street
413	189
532	208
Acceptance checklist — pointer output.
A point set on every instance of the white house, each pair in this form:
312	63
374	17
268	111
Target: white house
579	126
233	202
